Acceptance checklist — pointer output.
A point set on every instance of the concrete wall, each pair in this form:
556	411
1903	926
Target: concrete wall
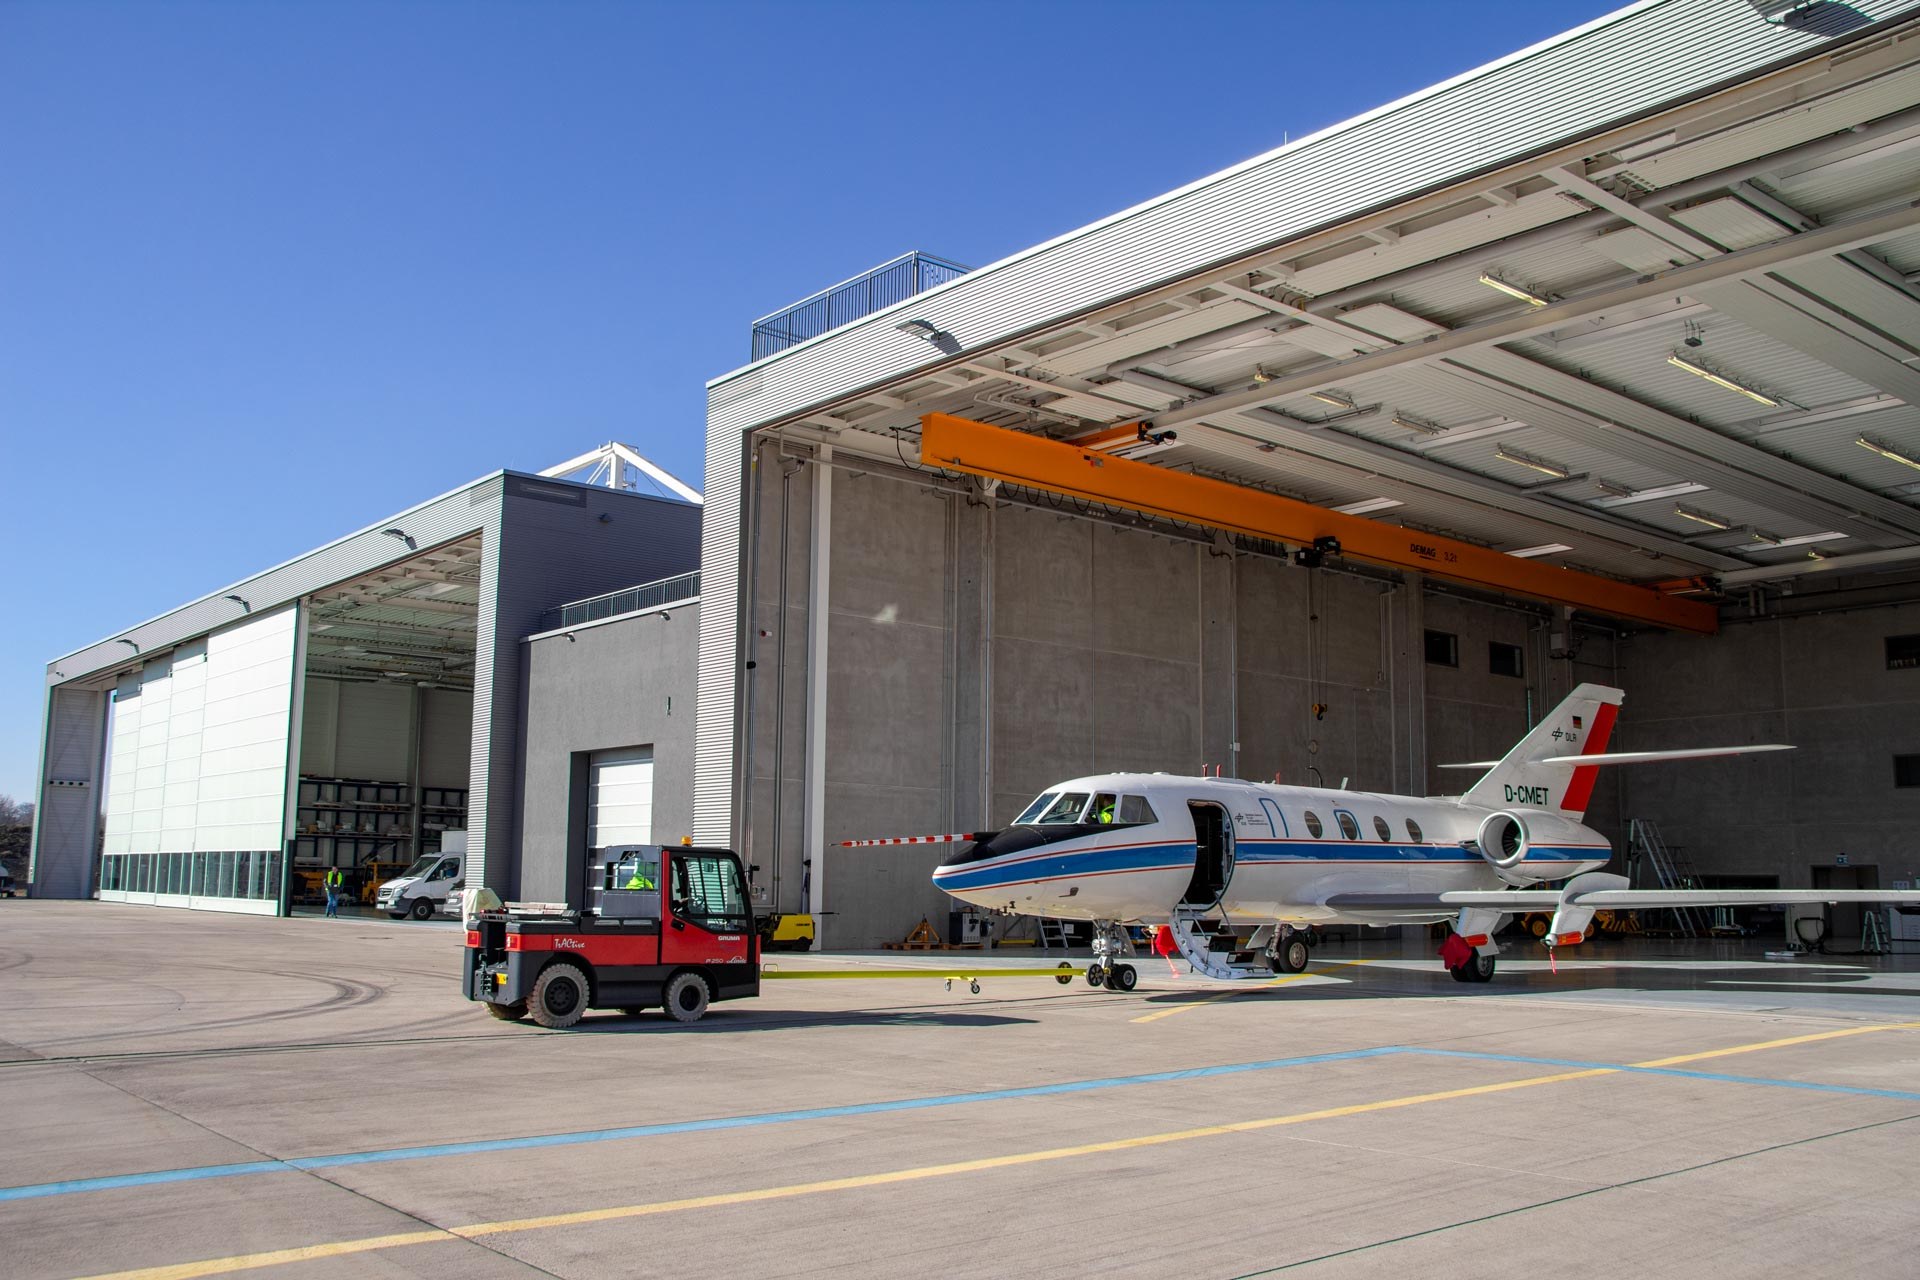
622	683
1820	683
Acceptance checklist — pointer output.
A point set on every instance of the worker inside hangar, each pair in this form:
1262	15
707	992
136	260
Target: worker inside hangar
1599	363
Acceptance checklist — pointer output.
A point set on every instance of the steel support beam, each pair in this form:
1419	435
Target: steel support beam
1016	458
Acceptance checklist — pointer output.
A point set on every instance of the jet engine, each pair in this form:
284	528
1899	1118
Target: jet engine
1503	842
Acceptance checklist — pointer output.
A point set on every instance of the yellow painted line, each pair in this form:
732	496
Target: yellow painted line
1170	1010
479	1230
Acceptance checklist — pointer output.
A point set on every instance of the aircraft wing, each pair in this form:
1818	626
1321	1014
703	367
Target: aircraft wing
1602	899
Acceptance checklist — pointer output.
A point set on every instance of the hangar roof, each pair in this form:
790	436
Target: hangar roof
1642	300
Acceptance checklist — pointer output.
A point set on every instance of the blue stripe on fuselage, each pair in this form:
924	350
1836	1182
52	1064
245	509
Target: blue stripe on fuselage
1060	864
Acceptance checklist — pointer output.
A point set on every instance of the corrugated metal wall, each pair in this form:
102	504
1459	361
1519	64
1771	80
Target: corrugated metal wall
1629	64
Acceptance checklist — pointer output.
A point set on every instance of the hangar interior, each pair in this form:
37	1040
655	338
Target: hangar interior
386	722
1662	364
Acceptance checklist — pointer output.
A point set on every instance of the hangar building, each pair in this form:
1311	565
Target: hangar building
499	662
1601	362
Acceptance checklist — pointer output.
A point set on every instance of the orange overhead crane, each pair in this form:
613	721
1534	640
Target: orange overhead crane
960	444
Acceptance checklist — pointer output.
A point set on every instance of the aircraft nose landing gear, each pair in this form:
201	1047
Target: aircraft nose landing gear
1107	969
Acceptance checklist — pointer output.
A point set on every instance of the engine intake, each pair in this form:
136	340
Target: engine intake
1503	841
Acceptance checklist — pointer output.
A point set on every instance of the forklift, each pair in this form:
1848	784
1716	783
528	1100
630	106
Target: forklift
661	926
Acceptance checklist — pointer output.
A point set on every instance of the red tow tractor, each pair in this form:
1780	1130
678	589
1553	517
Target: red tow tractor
662	926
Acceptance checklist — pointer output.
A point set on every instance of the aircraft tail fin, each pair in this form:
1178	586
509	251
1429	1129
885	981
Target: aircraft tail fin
1535	775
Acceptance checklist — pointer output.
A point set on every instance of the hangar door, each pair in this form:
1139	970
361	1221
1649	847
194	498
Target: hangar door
620	797
197	771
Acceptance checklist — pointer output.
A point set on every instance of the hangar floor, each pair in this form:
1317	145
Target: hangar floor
312	1098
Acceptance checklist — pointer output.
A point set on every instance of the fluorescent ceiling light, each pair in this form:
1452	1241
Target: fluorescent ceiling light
1544	549
1718	379
1702	517
1513	290
1418	424
1764	538
1532	463
442	588
1651	495
1886	451
1333	398
1362	507
1803	539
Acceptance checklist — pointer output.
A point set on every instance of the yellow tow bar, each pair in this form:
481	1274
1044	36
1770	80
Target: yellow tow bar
1064	974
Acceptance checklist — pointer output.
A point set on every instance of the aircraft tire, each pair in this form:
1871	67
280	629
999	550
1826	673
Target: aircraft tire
1096	976
1292	956
1125	977
1478	969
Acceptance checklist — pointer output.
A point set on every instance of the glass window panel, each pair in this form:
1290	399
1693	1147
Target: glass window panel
1381	829
1136	809
1313	824
1348	827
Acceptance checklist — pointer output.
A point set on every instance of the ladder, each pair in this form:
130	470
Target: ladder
1053	933
1213	946
1671	869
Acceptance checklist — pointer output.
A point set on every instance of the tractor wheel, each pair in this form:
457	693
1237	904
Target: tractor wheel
507	1012
1537	926
1125	977
559	996
422	909
686	997
1291	957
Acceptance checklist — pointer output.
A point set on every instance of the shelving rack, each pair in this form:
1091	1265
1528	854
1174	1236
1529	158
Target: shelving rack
354	823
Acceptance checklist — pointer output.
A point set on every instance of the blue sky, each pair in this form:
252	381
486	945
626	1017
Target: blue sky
269	272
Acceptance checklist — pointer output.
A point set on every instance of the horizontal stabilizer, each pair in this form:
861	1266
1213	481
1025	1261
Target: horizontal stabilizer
1638	757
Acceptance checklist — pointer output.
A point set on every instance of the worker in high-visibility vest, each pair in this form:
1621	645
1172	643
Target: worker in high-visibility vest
334	881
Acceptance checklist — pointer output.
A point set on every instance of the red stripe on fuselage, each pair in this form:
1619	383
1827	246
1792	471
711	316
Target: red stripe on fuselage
1580	790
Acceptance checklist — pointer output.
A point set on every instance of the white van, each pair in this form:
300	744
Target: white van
419	890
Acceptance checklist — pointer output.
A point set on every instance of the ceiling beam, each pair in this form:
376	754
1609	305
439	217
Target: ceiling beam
1033	461
1851	233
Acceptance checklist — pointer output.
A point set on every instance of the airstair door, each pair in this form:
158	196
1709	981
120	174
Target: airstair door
1213	854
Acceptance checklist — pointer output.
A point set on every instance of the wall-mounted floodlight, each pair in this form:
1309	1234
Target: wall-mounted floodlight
401	534
129	643
925	330
244	606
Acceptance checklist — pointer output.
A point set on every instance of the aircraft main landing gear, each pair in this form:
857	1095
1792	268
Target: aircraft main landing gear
1289	952
1477	968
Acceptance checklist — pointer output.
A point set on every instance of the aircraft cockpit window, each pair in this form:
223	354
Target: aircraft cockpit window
1135	809
1033	811
1313	824
1413	831
1381	829
1348	827
1104	805
1065	809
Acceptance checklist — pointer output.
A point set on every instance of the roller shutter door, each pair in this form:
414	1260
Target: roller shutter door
620	798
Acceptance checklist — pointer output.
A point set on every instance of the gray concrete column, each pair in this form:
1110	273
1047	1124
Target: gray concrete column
972	798
819	595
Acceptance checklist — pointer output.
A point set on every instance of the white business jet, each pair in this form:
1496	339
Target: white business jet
1237	869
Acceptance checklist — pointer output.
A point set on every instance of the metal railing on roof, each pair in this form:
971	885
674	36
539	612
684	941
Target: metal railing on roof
866	293
648	595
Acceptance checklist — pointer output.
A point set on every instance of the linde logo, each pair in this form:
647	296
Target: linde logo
1525	795
569	944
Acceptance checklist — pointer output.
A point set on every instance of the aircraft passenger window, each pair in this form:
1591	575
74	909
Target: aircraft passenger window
1066	809
1348	827
1104	803
1136	809
1413	831
1313	824
1381	829
1033	811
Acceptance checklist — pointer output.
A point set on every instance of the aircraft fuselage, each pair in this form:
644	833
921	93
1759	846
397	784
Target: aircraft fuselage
1261	851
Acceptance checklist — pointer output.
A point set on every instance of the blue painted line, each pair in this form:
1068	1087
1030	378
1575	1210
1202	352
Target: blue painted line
343	1159
163	1176
1714	1076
